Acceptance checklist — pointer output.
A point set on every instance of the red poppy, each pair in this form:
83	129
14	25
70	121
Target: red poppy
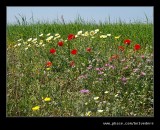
127	41
88	49
60	43
137	47
74	52
71	36
48	64
121	48
72	63
52	50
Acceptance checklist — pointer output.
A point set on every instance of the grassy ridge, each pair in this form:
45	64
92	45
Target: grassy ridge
28	80
136	31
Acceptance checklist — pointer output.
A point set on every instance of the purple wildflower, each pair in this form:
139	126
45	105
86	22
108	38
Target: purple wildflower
100	72
99	69
124	80
142	56
111	66
106	64
84	91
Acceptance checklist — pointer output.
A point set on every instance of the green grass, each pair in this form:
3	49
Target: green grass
28	80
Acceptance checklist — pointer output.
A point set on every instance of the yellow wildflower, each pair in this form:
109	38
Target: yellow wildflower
29	39
97	30
35	108
86	103
19	44
100	111
40	43
26	48
109	35
92	33
79	33
96	98
116	95
117	37
48	34
48	68
103	36
35	39
86	33
88	113
49	39
57	35
47	99
106	92
41	35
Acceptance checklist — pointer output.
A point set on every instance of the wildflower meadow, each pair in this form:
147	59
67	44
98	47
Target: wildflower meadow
80	69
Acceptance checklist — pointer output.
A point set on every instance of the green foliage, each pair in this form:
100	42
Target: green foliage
28	79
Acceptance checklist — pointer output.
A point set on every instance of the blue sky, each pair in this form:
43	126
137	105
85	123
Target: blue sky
89	13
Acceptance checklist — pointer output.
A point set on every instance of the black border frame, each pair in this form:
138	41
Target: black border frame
77	122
